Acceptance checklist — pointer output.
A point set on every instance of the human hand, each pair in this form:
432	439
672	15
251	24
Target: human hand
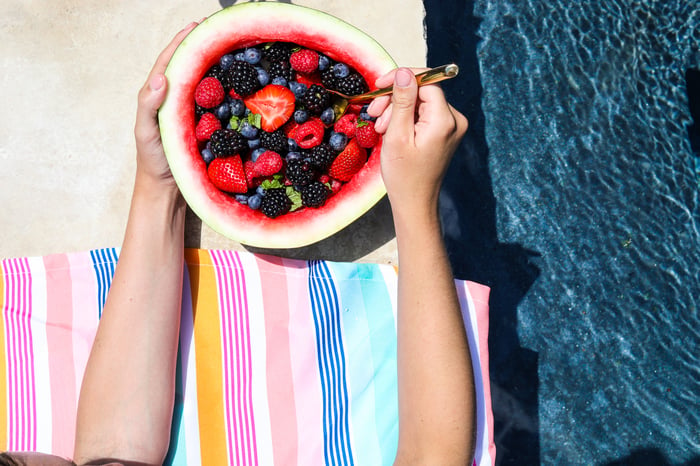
150	157
421	132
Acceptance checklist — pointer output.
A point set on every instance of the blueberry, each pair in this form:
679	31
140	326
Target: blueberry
254	143
328	116
256	153
247	130
299	89
338	141
364	115
341	70
301	115
263	77
292	145
292	155
240	56
226	61
279	80
254	201
323	62
260	191
223	111
237	107
252	55
242	198
207	155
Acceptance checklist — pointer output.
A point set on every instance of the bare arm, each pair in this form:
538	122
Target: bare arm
126	399
436	383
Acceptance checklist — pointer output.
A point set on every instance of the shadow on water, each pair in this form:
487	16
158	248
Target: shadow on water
468	211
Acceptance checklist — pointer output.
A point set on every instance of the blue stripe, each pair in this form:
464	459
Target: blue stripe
104	262
331	360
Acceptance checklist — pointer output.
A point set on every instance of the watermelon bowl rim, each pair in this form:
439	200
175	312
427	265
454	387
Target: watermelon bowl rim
200	50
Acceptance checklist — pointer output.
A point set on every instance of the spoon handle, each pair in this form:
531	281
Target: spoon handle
430	76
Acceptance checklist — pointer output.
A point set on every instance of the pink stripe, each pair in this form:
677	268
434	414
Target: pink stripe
59	323
21	406
480	298
232	290
280	383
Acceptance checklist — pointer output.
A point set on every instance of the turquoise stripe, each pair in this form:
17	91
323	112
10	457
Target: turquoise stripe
360	361
177	452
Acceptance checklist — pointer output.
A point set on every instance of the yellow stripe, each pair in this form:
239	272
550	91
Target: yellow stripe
207	340
3	368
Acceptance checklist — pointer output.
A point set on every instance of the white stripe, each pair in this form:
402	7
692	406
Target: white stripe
391	280
42	382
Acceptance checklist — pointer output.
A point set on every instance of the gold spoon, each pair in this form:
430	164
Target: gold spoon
433	75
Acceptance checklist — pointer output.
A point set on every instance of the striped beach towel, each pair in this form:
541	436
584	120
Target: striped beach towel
281	361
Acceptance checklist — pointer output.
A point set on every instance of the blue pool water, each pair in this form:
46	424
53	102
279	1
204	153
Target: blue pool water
576	197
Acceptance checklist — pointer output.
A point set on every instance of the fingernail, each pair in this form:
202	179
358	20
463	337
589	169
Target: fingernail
370	107
156	82
403	77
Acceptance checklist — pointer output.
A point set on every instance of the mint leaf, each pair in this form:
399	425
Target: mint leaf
295	196
275	182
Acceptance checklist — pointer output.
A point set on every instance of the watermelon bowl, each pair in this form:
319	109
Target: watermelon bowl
248	25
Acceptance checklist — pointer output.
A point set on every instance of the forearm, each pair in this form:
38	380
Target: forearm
126	401
436	385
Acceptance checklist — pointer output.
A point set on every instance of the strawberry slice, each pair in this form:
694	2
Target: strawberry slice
274	104
348	162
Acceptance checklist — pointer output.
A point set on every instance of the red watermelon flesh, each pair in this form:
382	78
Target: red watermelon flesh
238	27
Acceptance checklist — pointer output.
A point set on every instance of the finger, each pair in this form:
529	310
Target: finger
388	78
382	122
378	105
403	105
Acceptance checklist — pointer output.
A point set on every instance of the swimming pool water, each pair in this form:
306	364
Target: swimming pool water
576	197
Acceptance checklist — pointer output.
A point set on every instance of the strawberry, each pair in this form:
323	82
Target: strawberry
268	163
227	174
309	78
366	135
249	169
209	92
310	133
207	124
348	162
304	61
346	125
274	104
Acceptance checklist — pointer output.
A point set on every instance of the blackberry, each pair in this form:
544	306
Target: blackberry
277	51
315	194
227	142
199	110
275	141
300	172
243	78
352	84
281	69
328	79
275	202
316	99
322	156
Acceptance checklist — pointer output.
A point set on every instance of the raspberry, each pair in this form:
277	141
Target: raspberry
322	156
243	78
268	163
309	134
347	124
275	202
365	134
227	142
315	194
304	61
249	169
316	99
300	172
275	141
209	93
206	126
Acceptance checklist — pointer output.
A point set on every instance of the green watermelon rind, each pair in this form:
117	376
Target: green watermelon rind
253	23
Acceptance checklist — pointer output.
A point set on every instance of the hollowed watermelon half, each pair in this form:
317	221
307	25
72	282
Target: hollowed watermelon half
241	26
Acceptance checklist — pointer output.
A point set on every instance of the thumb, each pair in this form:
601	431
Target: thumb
403	103
151	98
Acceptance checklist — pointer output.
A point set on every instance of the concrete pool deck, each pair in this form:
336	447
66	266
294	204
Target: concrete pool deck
70	74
